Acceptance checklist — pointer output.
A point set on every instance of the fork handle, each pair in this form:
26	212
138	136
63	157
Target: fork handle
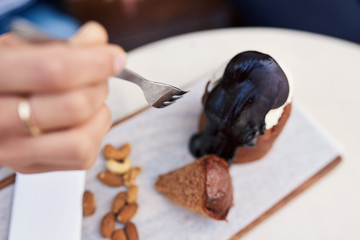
131	76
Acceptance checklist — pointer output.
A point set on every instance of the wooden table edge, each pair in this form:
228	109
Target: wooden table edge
7	181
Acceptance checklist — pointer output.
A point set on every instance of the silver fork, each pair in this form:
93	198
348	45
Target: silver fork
157	94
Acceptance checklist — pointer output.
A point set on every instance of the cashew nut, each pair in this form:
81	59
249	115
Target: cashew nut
111	152
118	167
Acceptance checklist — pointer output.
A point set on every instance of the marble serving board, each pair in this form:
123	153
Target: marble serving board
302	153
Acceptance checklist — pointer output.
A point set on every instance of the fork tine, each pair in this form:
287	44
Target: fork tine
179	95
167	103
176	97
173	98
182	92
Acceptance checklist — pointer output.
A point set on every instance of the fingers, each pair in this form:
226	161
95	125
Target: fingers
11	40
74	148
53	111
56	67
10	122
91	33
67	86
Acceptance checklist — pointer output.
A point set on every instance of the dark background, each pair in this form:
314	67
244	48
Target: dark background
154	19
157	19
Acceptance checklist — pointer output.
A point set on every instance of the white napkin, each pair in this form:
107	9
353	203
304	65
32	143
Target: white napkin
47	206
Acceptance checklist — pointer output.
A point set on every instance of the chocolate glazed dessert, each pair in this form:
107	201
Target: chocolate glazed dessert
244	111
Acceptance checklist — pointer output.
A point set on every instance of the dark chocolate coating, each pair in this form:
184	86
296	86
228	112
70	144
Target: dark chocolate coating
253	84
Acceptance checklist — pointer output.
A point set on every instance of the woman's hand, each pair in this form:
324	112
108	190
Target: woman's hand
66	85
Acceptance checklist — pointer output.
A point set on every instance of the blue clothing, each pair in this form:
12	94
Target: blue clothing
338	18
45	15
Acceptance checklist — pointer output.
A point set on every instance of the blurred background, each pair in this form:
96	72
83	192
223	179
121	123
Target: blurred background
132	23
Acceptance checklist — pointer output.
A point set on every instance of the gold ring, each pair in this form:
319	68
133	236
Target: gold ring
24	112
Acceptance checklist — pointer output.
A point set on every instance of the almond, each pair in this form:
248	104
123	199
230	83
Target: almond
111	152
89	203
131	195
131	231
119	202
119	235
107	225
110	179
127	212
130	176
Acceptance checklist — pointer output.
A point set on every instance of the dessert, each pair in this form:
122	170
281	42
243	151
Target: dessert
245	109
203	186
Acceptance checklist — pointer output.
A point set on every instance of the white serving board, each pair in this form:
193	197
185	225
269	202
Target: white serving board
160	144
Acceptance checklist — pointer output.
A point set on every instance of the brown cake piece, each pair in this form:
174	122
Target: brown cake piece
264	142
203	186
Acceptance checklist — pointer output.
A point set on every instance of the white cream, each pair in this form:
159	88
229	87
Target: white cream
273	116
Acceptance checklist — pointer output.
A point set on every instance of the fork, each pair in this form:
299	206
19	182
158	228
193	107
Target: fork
157	94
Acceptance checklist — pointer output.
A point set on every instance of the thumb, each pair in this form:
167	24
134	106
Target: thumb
91	33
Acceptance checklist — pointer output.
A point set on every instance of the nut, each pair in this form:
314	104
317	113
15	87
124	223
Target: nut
89	203
119	235
119	202
107	225
131	231
110	179
131	195
117	154
130	176
118	167
127	212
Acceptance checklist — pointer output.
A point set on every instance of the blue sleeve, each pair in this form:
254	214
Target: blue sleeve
48	17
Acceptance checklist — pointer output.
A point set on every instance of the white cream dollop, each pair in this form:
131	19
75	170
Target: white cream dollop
273	116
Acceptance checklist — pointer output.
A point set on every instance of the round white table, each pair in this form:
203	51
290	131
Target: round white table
327	80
